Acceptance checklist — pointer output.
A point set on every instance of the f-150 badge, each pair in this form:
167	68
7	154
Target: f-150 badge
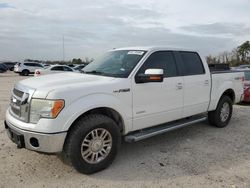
122	90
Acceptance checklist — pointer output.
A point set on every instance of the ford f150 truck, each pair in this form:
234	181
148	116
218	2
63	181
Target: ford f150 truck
130	93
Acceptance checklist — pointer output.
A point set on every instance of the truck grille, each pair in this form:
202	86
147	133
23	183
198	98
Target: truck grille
17	93
19	106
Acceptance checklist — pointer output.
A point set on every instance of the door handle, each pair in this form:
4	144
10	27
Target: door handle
179	86
206	82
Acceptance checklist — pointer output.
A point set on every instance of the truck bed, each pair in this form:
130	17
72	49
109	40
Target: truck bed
224	71
221	80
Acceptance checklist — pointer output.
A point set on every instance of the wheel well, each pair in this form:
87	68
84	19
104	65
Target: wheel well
107	112
230	93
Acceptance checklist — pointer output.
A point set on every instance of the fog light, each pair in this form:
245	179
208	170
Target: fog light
34	142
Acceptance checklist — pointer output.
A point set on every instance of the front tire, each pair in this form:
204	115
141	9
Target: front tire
93	143
223	113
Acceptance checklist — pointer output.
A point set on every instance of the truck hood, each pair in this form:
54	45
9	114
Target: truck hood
45	84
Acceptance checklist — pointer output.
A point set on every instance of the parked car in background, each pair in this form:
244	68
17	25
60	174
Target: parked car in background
53	69
3	68
78	68
247	86
27	68
247	66
45	65
246	83
71	65
10	65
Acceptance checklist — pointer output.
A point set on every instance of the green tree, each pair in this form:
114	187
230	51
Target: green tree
211	59
243	50
77	61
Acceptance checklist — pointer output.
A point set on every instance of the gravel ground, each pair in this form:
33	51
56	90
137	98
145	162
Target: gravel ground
195	156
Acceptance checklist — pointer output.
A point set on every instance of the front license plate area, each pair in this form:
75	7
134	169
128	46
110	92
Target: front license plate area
17	138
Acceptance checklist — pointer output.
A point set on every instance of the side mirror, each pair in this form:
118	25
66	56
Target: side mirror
150	75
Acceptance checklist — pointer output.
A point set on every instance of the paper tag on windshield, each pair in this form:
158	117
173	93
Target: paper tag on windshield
135	53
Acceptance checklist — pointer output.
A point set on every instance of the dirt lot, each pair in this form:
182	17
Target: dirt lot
195	156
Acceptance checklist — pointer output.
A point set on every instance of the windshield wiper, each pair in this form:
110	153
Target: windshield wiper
100	73
93	72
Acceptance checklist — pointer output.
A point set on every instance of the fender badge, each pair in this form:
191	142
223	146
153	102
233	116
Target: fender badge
122	90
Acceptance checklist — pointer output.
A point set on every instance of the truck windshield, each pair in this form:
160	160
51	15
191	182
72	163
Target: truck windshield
118	63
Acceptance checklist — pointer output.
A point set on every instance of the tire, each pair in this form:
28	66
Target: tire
75	148
25	72
218	118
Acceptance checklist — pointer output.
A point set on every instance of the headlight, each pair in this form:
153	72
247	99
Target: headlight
42	108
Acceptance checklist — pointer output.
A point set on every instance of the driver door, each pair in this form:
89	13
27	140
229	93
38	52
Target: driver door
158	102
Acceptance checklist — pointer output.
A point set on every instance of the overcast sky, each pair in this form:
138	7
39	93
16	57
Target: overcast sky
35	28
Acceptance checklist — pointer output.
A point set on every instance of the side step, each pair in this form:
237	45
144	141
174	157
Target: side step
153	131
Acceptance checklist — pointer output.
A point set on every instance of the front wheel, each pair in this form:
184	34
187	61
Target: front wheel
223	113
92	144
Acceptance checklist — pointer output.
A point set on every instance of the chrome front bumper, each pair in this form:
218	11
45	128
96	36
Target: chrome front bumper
40	142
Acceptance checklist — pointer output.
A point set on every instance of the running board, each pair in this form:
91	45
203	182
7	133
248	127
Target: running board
160	129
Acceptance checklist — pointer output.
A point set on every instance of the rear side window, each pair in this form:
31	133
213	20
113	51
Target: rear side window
33	64
37	65
192	63
161	60
28	64
57	68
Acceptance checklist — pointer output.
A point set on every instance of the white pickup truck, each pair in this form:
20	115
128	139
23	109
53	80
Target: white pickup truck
129	93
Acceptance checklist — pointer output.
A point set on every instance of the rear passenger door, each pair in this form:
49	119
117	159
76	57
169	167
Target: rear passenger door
196	83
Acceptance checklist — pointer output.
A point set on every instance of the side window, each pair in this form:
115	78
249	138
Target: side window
67	69
161	60
33	64
37	65
192	63
28	64
57	68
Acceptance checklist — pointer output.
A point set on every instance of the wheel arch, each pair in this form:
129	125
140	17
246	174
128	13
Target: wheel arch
230	93
25	70
217	94
107	111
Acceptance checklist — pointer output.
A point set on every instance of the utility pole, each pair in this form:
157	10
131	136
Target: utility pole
63	48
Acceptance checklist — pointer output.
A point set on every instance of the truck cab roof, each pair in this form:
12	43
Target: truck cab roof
153	48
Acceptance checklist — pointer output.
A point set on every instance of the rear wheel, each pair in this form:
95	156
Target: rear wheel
223	113
25	72
92	144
